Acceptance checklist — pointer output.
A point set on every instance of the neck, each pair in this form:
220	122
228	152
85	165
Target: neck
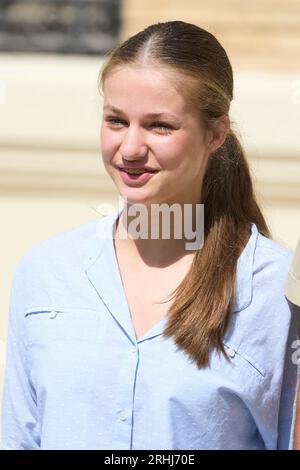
158	235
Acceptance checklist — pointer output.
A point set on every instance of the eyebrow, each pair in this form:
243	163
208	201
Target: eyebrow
150	115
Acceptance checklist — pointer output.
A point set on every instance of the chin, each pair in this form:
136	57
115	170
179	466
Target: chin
137	196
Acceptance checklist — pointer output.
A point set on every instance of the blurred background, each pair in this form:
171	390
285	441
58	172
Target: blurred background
51	51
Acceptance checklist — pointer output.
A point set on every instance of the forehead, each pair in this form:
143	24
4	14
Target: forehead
151	73
137	86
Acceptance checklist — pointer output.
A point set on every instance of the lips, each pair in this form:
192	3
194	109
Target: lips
136	170
137	176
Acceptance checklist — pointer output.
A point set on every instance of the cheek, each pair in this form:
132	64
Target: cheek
174	154
109	143
185	160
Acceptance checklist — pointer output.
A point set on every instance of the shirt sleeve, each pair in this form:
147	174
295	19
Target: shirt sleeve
19	410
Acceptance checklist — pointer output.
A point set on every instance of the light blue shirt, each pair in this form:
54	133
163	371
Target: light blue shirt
77	378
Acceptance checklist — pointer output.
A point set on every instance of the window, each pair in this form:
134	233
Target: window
59	26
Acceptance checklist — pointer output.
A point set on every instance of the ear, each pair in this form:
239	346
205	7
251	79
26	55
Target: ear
219	131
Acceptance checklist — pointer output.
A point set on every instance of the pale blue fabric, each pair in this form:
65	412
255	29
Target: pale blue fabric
76	378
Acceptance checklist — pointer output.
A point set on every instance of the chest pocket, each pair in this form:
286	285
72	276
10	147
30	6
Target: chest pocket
63	348
44	324
243	364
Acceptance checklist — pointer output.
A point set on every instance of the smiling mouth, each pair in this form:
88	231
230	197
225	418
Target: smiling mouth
136	171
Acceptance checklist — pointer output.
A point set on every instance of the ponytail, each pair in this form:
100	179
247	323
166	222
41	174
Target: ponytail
202	308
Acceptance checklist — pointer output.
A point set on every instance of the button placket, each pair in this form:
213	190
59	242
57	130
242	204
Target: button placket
123	415
126	380
231	353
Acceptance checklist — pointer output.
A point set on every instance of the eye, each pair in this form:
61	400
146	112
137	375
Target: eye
166	128
161	126
113	121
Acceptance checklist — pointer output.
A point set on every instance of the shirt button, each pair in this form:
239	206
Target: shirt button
133	350
231	353
123	415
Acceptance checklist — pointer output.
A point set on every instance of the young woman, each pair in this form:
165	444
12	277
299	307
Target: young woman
123	340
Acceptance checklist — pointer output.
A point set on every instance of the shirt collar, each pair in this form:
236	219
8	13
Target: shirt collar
102	270
245	273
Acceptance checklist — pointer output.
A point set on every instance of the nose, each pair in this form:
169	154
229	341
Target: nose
133	146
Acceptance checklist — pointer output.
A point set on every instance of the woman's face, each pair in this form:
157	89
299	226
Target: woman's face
147	128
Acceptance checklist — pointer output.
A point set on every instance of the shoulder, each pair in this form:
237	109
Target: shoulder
70	242
54	272
261	326
64	252
271	264
262	265
262	272
271	260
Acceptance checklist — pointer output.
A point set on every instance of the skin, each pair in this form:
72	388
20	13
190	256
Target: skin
174	144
